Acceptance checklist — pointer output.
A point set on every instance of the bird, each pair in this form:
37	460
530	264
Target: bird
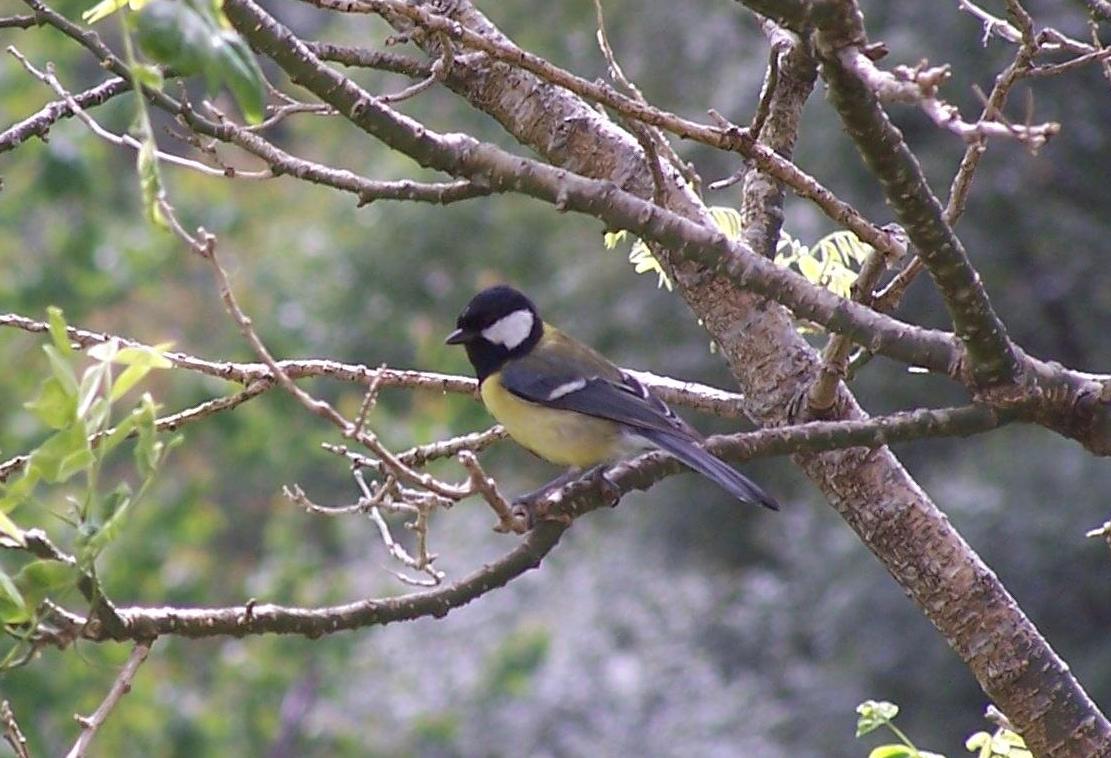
567	403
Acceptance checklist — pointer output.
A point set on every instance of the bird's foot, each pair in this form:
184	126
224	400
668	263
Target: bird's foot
610	491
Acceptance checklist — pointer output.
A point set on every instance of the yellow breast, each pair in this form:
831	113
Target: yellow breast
563	437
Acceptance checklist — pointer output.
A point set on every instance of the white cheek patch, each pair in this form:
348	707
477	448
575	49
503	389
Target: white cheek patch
510	330
566	388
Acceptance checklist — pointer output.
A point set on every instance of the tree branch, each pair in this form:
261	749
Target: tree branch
991	356
40	123
481	162
557	510
732	138
12	733
254	618
120	687
362	58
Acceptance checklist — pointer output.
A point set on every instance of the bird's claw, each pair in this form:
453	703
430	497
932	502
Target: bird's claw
609	489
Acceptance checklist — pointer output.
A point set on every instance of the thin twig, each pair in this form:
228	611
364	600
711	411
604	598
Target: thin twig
120	687
822	396
424	561
488	488
919	85
282	112
18	22
419	455
38	124
888	299
124	140
993	25
438	73
168	423
411	91
363	58
366	190
12	733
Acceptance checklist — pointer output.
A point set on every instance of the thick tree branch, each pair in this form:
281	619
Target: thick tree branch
487	39
367	190
481	162
991	356
1079	409
257	377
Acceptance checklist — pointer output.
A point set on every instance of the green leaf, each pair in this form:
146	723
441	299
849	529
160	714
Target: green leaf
148	76
610	239
54	406
97	415
148	450
174	34
121	432
640	255
57	322
728	220
116	507
61	369
13	608
872	714
38	579
91	382
140	360
241	72
150	182
8	528
1011	739
810	268
892	751
1008	744
843	245
977	741
788	250
116	501
19	490
644	261
64	454
102	10
105	352
131	376
143	355
840	279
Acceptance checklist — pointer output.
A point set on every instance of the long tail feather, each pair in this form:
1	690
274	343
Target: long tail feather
713	468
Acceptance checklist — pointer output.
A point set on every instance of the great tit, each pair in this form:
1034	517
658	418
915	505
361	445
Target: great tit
568	404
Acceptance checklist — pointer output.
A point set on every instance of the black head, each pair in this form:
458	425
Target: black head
498	324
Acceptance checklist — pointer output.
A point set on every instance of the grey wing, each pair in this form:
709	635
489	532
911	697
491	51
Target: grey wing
626	401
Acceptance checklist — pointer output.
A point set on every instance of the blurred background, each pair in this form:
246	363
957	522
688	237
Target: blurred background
674	624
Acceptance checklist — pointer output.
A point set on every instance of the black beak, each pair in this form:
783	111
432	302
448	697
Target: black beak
459	337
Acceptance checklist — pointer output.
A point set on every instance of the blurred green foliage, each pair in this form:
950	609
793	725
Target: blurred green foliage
675	623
